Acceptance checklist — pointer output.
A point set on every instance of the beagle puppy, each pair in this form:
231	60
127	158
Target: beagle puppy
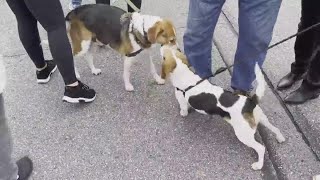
241	112
127	33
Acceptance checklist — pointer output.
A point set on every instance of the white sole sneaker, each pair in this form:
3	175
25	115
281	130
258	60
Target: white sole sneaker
44	81
77	100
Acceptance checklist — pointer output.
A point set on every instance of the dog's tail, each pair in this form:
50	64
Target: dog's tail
261	87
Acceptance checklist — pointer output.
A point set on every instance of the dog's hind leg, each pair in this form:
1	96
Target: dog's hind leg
89	57
260	116
153	70
245	134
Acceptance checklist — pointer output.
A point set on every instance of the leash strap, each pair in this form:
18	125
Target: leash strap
190	87
132	6
222	69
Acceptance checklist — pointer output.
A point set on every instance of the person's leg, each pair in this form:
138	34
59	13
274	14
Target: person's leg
310	87
256	22
28	31
8	168
74	4
51	17
137	3
30	39
202	19
303	47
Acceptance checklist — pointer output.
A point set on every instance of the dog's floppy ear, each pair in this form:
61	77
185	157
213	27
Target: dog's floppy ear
154	32
183	57
168	65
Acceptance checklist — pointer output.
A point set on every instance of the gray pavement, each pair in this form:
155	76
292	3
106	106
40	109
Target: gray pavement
140	135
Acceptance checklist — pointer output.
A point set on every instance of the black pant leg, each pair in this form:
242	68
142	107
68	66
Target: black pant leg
304	44
51	17
28	31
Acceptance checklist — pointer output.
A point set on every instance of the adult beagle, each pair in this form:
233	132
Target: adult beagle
127	33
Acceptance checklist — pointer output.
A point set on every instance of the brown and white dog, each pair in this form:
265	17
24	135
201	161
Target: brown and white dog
241	112
127	33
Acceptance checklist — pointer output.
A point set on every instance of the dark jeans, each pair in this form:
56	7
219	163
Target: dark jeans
307	45
50	15
137	3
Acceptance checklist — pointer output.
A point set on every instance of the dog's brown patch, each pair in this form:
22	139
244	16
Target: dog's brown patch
78	33
250	119
168	65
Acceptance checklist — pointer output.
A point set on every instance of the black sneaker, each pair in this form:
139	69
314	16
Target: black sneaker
44	75
80	93
25	168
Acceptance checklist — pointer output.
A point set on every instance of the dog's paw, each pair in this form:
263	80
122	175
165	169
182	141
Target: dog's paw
183	113
129	87
96	71
160	81
280	138
256	166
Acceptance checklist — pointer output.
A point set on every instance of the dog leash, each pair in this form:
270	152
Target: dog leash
134	7
222	69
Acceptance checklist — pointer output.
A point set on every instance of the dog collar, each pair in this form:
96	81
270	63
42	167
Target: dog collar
134	53
143	45
190	87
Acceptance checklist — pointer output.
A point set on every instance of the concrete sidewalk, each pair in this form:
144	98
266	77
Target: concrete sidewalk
137	135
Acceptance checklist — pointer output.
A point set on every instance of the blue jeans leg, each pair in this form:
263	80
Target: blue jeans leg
76	2
256	22
202	19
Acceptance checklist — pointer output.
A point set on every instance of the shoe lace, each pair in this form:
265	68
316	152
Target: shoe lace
84	86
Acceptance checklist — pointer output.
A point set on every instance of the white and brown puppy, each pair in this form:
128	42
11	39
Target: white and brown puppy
126	33
241	112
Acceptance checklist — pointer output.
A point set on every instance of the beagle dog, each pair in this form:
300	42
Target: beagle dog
241	112
127	33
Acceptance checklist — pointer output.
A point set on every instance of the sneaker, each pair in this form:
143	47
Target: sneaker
44	75
25	167
80	93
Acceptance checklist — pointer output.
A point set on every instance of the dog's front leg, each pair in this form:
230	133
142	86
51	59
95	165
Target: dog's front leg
153	70
126	73
182	102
